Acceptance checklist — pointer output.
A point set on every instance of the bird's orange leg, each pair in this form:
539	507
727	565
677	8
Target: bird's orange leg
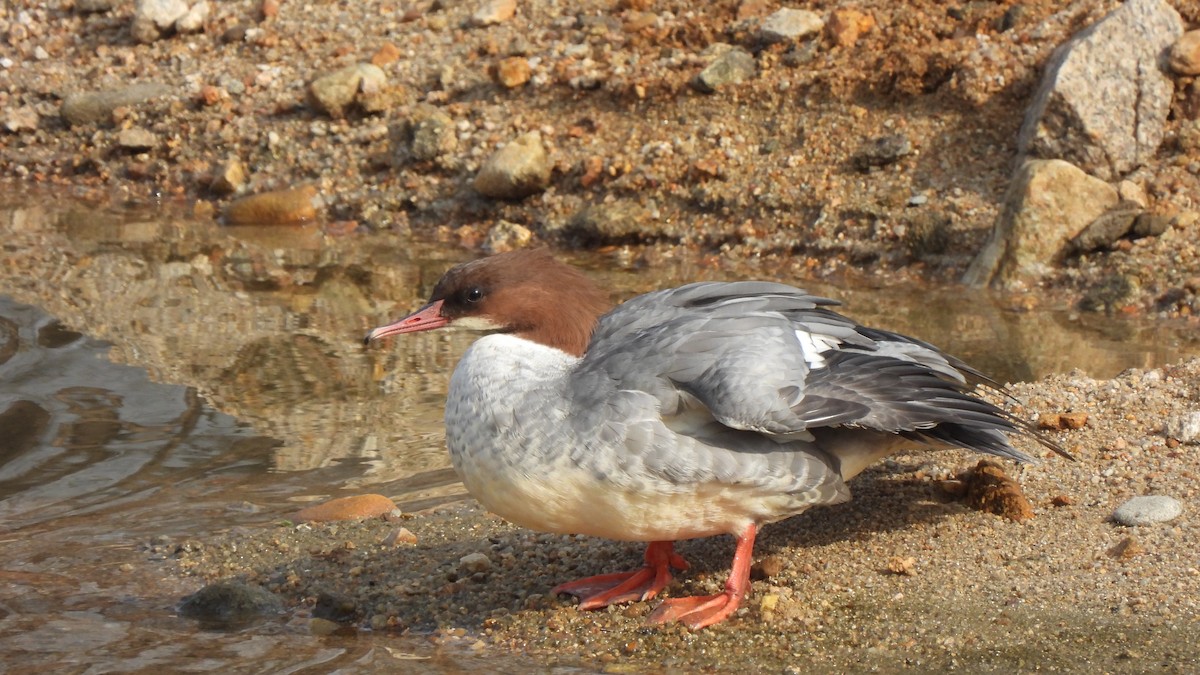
705	610
643	584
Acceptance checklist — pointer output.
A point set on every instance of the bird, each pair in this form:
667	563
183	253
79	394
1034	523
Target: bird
708	409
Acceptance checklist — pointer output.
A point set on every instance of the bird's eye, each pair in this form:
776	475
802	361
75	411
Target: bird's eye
474	294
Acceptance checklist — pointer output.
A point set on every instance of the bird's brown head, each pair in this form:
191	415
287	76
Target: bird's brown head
527	293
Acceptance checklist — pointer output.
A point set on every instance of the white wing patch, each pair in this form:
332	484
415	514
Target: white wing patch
812	346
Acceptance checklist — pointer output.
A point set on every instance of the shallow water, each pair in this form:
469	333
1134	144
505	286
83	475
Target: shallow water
163	379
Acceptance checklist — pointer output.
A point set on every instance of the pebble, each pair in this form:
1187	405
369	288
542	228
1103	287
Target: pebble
731	67
193	21
846	26
361	85
1147	510
1060	421
474	563
989	488
94	6
432	134
278	207
1184	427
790	24
24	118
354	507
229	178
506	236
152	19
517	170
513	71
97	107
1185	54
137	139
494	11
230	604
883	151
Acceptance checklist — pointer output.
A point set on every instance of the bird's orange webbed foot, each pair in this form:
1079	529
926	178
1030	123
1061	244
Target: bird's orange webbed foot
705	610
643	584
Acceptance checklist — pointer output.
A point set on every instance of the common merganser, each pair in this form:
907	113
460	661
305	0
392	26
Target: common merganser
713	408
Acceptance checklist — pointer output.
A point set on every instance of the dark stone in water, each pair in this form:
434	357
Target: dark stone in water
230	604
335	607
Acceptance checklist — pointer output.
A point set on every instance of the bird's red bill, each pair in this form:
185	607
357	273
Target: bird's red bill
426	318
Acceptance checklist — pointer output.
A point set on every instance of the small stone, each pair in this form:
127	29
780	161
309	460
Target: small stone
229	178
474	563
230	604
137	139
401	536
193	20
517	170
1185	54
989	489
493	12
94	6
733	66
1147	510
269	9
513	71
153	19
386	54
361	85
1106	229
1126	549
883	151
846	26
336	607
767	568
903	565
768	602
24	118
790	24
432	135
1061	421
98	106
1184	427
354	507
506	236
1062	500
1150	225
278	207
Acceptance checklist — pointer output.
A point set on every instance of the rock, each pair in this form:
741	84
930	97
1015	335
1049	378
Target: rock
513	71
902	565
516	170
97	107
230	604
399	537
154	19
193	21
1150	225
1103	99
846	26
1061	421
1147	510
388	53
1047	204
355	507
431	134
361	85
1105	230
731	67
1185	54
615	222
229	178
94	6
1111	293
137	139
493	12
988	488
506	236
336	607
24	118
1184	427
767	568
474	563
882	151
790	24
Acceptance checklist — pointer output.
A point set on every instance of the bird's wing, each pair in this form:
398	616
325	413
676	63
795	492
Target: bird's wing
772	359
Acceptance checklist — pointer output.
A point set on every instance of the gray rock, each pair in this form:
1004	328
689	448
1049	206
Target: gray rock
733	66
1150	225
473	563
137	139
790	24
882	151
1104	98
517	170
230	604
432	134
618	221
362	85
153	19
94	6
1147	510
336	607
1048	203
97	107
1107	229
1184	428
